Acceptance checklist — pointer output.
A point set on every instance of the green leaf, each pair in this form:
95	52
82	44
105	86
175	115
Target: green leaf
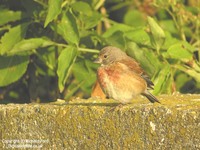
117	27
180	51
65	61
67	28
131	17
32	8
158	35
92	20
117	39
115	35
82	7
9	15
190	71
188	46
30	44
12	37
12	68
48	57
162	80
72	89
181	80
168	25
89	18
54	9
85	71
169	41
139	36
148	60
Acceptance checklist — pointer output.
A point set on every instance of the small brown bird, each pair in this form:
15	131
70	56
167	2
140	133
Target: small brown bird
121	77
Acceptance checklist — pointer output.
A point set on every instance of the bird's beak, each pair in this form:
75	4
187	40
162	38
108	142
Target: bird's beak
98	61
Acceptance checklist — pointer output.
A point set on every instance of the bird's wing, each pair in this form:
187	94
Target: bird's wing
148	80
132	65
135	67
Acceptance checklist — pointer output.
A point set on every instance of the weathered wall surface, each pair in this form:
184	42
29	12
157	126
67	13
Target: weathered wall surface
93	124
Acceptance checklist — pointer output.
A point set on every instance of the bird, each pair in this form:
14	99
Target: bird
121	76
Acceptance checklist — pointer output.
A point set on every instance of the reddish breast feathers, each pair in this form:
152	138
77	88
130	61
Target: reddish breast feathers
108	74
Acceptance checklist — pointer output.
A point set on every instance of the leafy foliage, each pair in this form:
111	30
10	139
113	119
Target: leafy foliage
47	47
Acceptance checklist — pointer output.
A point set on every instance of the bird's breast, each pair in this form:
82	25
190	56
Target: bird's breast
108	75
119	82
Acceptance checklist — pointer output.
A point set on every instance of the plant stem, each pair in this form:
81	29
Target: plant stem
178	26
99	4
41	3
64	3
79	49
88	50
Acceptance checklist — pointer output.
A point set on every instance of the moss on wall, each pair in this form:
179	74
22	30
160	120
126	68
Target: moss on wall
93	124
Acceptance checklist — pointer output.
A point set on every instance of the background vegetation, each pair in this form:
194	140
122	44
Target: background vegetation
47	46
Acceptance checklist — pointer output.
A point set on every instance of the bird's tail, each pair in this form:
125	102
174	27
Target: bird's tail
150	97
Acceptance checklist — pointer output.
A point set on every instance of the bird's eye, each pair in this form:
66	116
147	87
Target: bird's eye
105	56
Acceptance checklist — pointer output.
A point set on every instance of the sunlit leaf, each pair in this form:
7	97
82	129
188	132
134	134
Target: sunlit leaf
54	9
89	18
148	60
12	68
193	73
12	37
169	41
139	36
68	28
162	79
158	35
117	39
65	62
9	15
92	20
168	25
179	51
30	44
82	7
131	17
115	28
